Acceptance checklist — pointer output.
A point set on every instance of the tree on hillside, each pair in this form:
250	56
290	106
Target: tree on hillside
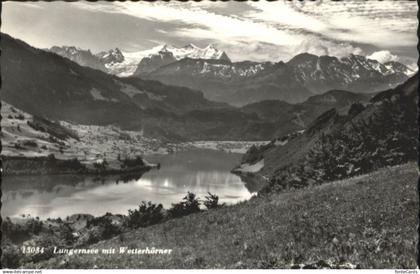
387	137
189	204
147	214
212	201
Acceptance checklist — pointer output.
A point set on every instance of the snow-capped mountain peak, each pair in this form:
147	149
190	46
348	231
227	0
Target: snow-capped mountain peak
190	51
191	46
210	46
164	47
80	56
396	67
123	64
354	72
111	56
165	54
68	50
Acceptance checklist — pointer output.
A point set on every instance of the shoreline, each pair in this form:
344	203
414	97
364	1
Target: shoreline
32	166
254	182
41	165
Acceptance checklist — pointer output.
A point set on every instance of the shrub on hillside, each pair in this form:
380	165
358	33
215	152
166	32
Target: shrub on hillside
34	225
387	138
65	233
11	256
212	201
13	232
147	214
19	232
108	228
189	204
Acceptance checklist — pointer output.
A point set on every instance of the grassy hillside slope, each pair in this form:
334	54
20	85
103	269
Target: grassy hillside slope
367	221
336	146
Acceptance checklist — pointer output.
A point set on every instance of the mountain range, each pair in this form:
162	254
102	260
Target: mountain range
239	83
46	84
123	64
295	81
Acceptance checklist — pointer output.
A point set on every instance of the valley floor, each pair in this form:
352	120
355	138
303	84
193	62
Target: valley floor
368	221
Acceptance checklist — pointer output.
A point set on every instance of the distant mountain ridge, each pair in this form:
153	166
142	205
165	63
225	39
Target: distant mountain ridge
111	56
354	73
194	52
239	83
80	56
170	54
120	63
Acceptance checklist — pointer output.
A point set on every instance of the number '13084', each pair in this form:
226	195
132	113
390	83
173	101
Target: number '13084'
32	250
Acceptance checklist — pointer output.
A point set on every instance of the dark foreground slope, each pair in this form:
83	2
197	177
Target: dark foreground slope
368	221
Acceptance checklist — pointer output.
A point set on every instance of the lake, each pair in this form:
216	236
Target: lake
198	171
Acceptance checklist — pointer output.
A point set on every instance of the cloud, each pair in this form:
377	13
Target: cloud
371	22
317	27
23	5
195	23
383	56
323	47
199	23
260	52
252	30
285	16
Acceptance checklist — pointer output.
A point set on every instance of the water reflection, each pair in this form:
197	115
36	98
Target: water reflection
199	171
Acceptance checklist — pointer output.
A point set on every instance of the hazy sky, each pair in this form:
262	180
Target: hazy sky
262	31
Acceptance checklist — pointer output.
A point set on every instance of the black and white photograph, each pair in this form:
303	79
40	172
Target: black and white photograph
209	135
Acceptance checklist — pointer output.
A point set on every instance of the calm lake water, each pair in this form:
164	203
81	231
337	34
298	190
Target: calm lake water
198	171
